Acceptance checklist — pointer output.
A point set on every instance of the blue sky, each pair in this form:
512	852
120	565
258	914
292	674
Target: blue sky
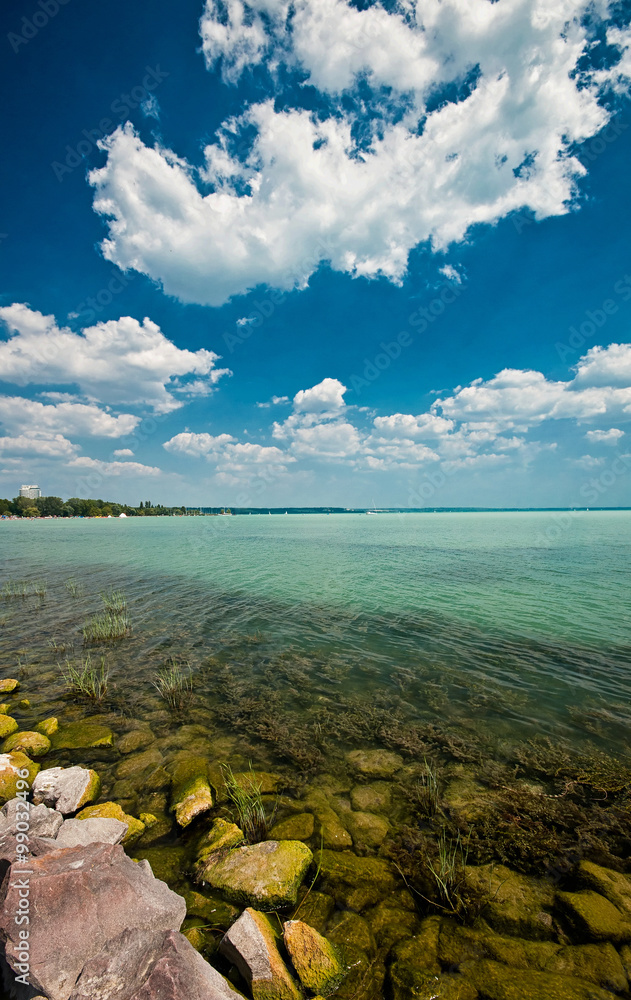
359	255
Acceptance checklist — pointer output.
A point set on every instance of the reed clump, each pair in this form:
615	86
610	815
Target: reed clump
86	679
106	627
74	588
20	589
246	796
174	683
115	602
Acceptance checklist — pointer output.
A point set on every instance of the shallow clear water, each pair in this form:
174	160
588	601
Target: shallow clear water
520	619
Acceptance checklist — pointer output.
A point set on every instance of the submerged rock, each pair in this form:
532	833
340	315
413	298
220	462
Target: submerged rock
250	944
348	928
8	726
389	923
613	885
298	827
367	829
355	882
458	945
167	862
266	875
48	726
513	904
98	830
8	685
137	739
598	963
315	959
190	794
112	810
42	821
497	982
138	764
80	899
211	909
371	798
67	789
10	764
375	763
221	836
82	735
329	827
418	956
315	908
410	983
593	918
34	744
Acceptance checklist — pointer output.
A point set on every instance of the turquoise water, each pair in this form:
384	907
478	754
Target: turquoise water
521	619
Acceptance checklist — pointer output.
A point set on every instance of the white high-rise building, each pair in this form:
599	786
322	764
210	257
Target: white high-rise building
31	492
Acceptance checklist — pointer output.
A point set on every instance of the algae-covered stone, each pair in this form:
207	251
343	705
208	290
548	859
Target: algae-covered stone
364	977
355	882
139	764
222	836
593	918
347	928
390	923
48	726
298	827
190	794
512	903
250	944
5	708
7	726
418	955
329	826
315	959
24	703
497	982
266	875
67	789
113	810
315	908
33	744
375	763
137	739
409	983
458	945
10	766
167	862
598	963
367	829
8	685
148	819
613	885
82	735
374	797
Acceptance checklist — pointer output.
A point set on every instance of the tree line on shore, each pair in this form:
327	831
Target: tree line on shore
79	507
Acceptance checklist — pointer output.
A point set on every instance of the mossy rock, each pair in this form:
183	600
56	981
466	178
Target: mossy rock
409	983
298	827
222	836
593	917
613	885
390	923
265	875
597	963
497	982
511	903
211	909
190	793
458	945
8	726
364	978
33	744
138	764
329	826
316	960
348	928
82	736
167	863
252	945
24	703
148	819
373	797
375	763
112	810
5	708
8	685
48	726
419	954
10	764
355	882
137	739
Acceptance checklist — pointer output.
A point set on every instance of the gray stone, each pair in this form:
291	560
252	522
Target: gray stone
99	830
66	789
42	821
81	898
146	965
375	763
250	944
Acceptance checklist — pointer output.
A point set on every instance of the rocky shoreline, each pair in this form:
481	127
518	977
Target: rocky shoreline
313	908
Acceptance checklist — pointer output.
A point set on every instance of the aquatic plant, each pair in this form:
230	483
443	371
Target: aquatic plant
115	602
74	588
174	683
427	792
246	796
86	679
57	647
106	627
12	589
448	872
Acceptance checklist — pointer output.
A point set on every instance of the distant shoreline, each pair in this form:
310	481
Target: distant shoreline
276	511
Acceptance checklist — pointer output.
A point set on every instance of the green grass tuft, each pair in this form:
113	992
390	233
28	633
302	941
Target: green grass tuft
106	627
115	602
174	683
247	799
86	679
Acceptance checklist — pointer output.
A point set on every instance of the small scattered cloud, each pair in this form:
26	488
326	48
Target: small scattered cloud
123	453
150	107
612	436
